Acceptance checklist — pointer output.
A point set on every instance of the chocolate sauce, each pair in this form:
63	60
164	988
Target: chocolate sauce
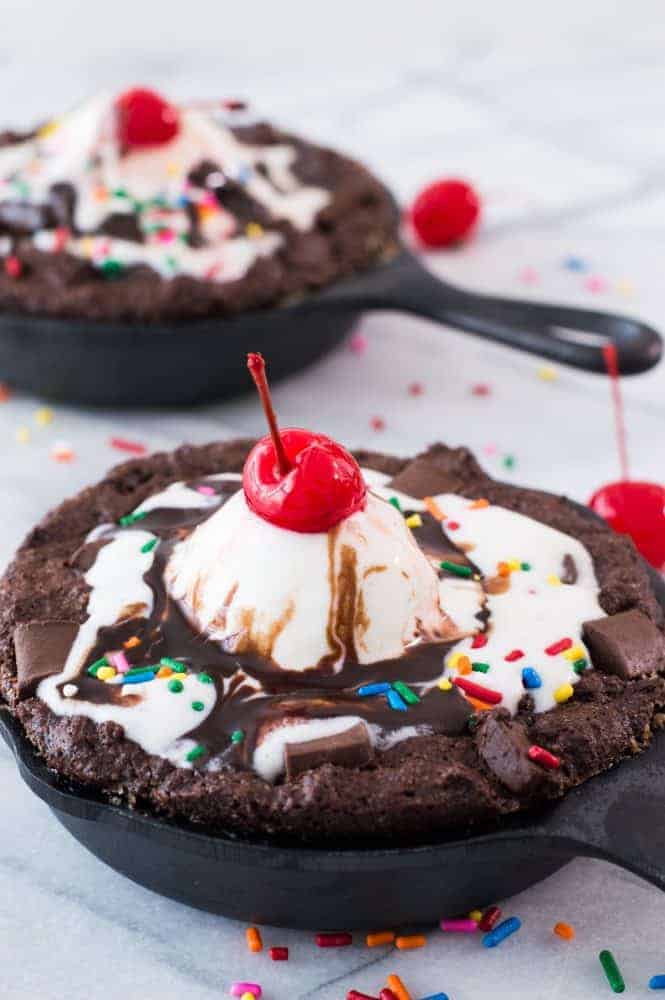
255	694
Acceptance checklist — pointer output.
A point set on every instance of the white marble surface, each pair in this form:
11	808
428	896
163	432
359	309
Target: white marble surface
556	115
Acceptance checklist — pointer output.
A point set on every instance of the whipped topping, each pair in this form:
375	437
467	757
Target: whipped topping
364	590
350	603
80	149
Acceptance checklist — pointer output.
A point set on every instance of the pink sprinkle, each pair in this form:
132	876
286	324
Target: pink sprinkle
358	343
237	989
133	447
595	284
481	389
529	276
463	926
166	235
490	449
452	525
207	491
416	389
119	661
377	424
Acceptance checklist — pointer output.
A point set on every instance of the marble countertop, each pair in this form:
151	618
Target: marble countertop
559	124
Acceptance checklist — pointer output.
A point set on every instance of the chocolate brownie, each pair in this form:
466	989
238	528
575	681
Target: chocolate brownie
227	215
468	760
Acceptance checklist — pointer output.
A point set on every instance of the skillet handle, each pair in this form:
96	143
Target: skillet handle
565	334
618	816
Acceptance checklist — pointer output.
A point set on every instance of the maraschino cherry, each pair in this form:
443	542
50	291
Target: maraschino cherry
144	119
631	507
445	213
296	479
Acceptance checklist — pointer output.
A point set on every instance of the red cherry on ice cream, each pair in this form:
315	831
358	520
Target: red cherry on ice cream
636	509
143	119
445	212
296	479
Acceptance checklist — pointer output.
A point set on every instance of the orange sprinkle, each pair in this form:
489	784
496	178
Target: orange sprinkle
479	504
164	672
503	569
253	938
463	665
380	937
477	703
434	509
5	392
131	643
564	931
413	941
397	986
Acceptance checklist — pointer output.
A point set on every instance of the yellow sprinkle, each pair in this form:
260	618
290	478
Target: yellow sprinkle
576	653
414	521
476	915
106	673
172	169
547	373
248	996
48	129
454	659
563	693
179	677
253	230
514	564
23	435
88	246
554	580
43	416
445	684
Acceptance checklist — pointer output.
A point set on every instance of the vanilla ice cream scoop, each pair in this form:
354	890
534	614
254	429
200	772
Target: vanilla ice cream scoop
363	590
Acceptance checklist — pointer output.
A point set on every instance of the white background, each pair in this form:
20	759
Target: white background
555	112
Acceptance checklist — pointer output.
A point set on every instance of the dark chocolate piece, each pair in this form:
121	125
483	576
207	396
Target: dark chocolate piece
569	569
86	554
352	748
504	745
41	650
421	479
628	644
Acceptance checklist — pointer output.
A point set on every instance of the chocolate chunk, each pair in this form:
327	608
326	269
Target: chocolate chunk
503	745
568	570
352	748
86	554
41	650
628	644
421	479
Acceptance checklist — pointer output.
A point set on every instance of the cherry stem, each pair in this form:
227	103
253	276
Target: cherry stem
257	369
612	364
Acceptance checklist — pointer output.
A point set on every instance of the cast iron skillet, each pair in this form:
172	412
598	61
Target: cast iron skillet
191	362
618	816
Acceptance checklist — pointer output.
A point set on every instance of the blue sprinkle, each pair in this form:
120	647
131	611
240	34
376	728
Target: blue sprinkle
657	983
148	675
182	201
574	264
501	932
395	701
381	688
243	175
437	996
531	678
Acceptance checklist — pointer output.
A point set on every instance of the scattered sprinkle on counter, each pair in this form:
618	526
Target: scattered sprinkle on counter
461	925
408	942
43	416
476	915
340	940
278	953
481	389
62	452
546	373
131	447
416	388
377	424
5	392
612	971
501	932
22	435
657	982
253	938
379	938
238	989
489	919
564	931
358	343
395	984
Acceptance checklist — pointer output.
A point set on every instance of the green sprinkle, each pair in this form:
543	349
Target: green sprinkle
198	706
472	723
611	970
456	569
480	668
195	753
119	193
94	667
525	566
205	678
132	518
410	697
111	268
139	670
579	666
149	546
237	736
168	661
172	262
139	206
175	686
509	461
395	502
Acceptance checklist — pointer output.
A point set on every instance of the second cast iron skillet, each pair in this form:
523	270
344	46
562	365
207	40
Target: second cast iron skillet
191	362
